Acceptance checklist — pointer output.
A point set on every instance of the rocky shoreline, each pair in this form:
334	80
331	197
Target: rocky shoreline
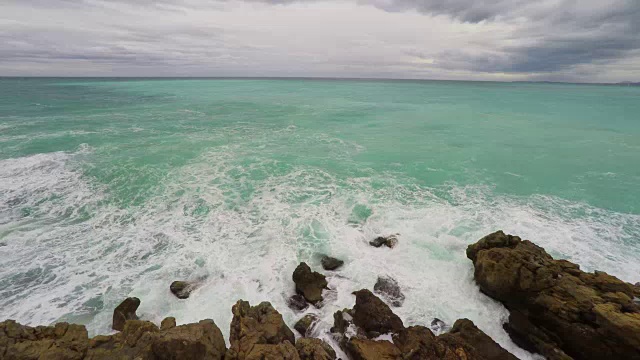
556	310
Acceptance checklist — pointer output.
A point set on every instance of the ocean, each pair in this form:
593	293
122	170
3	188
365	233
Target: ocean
116	187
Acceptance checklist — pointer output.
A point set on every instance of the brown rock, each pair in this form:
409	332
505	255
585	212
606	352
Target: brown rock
168	323
125	311
314	349
283	351
557	309
465	331
192	341
297	302
309	284
62	341
257	325
364	349
374	316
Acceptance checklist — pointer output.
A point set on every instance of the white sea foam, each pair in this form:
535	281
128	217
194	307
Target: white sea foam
77	257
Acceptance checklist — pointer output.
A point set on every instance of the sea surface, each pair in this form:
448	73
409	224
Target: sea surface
112	188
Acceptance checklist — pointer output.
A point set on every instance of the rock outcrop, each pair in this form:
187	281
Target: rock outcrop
309	283
555	308
125	311
138	340
388	287
357	329
314	349
258	332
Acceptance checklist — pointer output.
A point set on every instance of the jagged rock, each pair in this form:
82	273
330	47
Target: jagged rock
168	323
341	320
259	330
138	340
314	349
471	338
555	308
374	316
365	349
192	341
389	241
389	288
305	324
309	284
125	311
331	263
181	289
297	302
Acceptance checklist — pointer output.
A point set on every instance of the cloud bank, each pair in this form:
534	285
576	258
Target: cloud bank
558	40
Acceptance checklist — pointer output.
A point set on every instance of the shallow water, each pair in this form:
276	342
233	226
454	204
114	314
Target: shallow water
112	188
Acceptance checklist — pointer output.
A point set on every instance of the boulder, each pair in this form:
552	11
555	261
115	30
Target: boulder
309	284
192	341
389	241
260	328
374	316
315	349
464	333
305	324
181	289
297	302
331	263
556	309
438	326
388	287
125	311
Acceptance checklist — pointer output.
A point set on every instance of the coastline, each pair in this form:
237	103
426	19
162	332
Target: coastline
556	310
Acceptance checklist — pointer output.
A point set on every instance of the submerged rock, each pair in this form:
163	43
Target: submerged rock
389	288
331	263
181	289
258	332
438	326
309	284
305	324
125	311
315	349
555	308
297	302
389	241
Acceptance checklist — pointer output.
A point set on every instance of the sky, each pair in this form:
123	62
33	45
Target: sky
501	40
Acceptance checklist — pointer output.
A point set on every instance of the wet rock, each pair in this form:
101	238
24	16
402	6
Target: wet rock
365	349
297	302
259	331
389	241
125	311
3	244
341	321
309	284
438	326
305	324
374	316
168	323
331	263
555	308
389	288
315	349
182	289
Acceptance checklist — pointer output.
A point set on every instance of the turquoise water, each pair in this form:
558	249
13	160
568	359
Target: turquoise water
111	188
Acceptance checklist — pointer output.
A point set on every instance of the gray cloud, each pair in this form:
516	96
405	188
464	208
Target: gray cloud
526	38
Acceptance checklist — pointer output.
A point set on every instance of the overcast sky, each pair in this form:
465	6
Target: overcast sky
559	40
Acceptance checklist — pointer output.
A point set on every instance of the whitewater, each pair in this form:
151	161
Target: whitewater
112	188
